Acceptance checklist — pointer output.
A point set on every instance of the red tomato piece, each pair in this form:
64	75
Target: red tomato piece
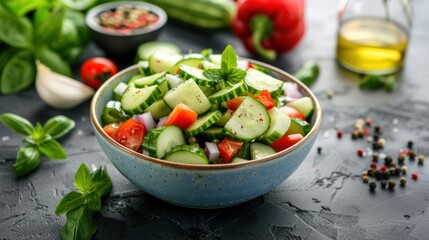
265	98
181	116
234	103
111	129
292	112
95	71
286	141
228	148
130	134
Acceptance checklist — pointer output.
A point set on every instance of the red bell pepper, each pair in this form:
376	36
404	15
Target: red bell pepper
268	27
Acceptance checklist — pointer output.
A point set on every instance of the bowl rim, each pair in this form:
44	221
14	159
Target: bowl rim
307	92
91	15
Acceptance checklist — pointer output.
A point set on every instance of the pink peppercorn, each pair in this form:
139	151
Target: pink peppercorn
339	134
360	152
373	165
415	175
368	121
383	168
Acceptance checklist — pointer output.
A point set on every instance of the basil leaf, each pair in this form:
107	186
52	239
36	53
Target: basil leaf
79	224
28	159
371	82
16	123
5	54
69	202
78	20
52	149
83	179
18	73
53	60
229	57
50	28
235	75
58	126
101	183
213	74
93	201
21	7
15	31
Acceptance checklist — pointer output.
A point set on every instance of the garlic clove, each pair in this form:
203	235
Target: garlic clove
60	91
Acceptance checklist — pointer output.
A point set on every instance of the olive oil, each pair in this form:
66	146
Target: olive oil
371	45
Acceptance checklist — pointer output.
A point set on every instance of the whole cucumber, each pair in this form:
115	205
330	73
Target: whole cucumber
202	14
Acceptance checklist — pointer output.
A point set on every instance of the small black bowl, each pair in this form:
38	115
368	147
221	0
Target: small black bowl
119	43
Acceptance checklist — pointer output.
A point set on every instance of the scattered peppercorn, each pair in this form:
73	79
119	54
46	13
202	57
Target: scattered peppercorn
383	184
360	134
388	161
412	155
368	122
339	134
386	175
404	169
375	157
377	129
403	181
421	159
364	173
381	142
378	175
415	175
373	165
376	146
355	134
330	93
392	171
365	179
397	171
401	159
391	184
369	139
383	168
319	150
376	137
372	186
410	144
371	172
360	152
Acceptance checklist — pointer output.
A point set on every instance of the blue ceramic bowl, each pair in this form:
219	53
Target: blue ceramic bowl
202	186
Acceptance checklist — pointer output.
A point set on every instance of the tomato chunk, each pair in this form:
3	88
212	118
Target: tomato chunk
182	116
234	103
111	129
228	148
292	112
265	98
286	141
130	134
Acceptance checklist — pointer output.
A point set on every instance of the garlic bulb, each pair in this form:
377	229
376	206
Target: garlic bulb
60	91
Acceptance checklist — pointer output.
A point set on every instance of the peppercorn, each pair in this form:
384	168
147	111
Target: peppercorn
378	175
319	150
364	173
421	159
386	175
392	171
365	131
330	93
375	157
339	134
381	142
376	137
415	175
217	141
383	184
412	155
360	134
368	121
383	168
376	146
355	134
397	171
192	140
371	172
388	161
401	159
377	129
369	139
404	169
372	186
391	184
360	152
403	181
410	144
373	165
365	179
359	123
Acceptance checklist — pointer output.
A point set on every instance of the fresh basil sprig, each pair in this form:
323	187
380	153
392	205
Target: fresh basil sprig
79	206
376	82
39	140
228	74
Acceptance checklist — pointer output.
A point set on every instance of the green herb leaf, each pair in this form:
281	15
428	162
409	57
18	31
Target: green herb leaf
53	60
18	72
229	57
49	28
69	202
52	149
101	183
308	73
213	74
83	179
58	126
206	53
28	159
79	224
16	123
390	83
93	201
235	75
21	7
376	82
15	31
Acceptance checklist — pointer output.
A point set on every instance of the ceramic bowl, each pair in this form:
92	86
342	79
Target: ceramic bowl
202	186
118	43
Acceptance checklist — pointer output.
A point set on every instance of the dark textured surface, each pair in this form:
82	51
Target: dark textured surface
323	199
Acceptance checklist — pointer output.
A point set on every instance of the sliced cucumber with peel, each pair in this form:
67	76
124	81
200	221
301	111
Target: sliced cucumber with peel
187	72
280	122
225	118
159	141
145	50
203	122
250	121
213	133
298	126
257	81
304	105
189	154
158	109
238	160
136	100
160	61
192	62
150	80
260	150
227	94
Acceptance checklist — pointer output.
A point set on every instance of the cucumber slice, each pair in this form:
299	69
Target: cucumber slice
216	58
187	154
160	61
158	109
134	78
257	81
298	126
260	150
209	65
244	151
238	160
228	93
250	121
203	123
194	56
145	50
150	80
159	141
189	94
119	90
173	80
212	133
187	72
225	118
135	100
192	62
304	105
143	67
280	122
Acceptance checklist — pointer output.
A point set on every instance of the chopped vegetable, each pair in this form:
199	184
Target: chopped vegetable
286	141
228	148
130	134
182	116
95	71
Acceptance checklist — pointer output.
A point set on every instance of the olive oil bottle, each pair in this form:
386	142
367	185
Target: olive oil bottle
371	45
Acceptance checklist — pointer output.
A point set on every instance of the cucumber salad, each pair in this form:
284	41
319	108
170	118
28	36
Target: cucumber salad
206	109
